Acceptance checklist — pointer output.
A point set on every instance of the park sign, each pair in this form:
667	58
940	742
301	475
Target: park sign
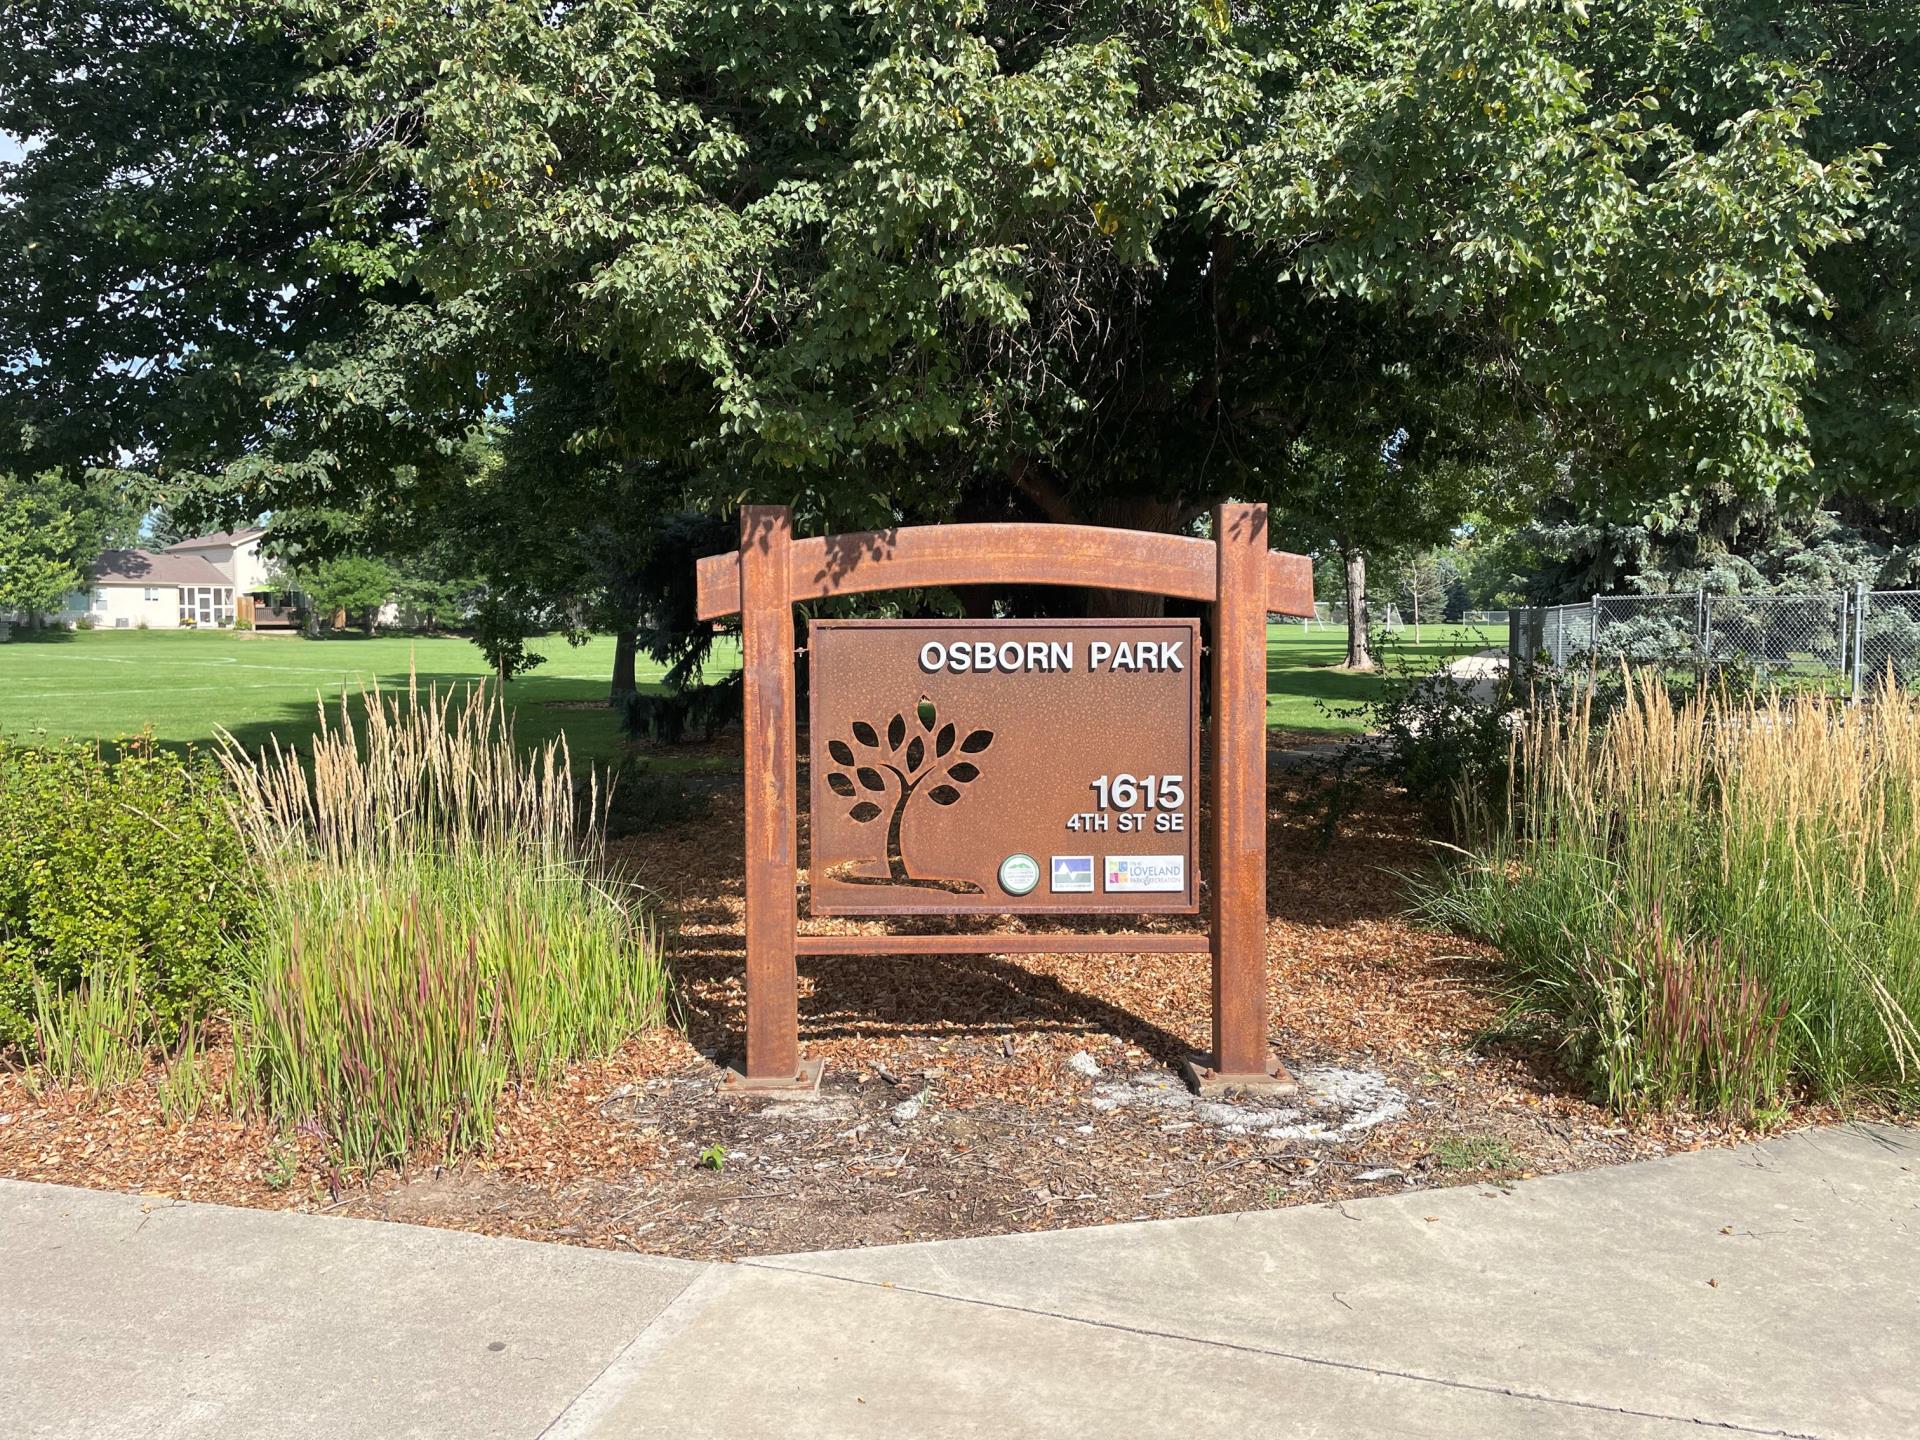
1003	767
1007	767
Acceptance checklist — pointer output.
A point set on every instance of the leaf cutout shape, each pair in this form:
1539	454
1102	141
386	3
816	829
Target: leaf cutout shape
839	784
864	733
963	772
866	810
840	750
977	741
943	794
926	713
944	741
870	778
916	752
896	731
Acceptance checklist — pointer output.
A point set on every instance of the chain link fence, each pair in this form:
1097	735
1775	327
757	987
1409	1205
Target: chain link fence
1843	640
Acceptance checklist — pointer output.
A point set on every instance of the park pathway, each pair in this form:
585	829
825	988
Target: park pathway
1772	1290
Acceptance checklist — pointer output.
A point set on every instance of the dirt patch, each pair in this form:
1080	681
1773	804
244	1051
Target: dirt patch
964	1095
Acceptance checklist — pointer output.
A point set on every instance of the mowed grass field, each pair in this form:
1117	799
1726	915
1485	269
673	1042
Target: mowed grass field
1306	689
181	685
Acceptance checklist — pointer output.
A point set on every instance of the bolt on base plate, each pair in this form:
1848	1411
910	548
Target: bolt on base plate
1210	1084
804	1083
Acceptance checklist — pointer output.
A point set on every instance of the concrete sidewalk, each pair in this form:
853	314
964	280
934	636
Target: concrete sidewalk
1772	1290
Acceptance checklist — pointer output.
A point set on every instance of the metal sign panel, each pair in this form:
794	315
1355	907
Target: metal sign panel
1004	767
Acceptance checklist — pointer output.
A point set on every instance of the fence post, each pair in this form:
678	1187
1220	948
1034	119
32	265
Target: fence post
1841	651
1861	601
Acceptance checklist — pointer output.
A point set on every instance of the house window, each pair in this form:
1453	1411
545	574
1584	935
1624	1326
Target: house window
153	593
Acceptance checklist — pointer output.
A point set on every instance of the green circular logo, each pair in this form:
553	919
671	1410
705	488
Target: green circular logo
1019	874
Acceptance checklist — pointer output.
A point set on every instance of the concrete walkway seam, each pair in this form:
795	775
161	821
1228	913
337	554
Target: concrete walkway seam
593	1404
1414	1377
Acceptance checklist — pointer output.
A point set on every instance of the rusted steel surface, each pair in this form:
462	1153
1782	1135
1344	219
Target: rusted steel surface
1239	819
766	645
1289	584
1075	944
1010	554
1004	766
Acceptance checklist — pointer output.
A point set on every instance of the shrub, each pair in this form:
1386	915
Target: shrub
1435	735
1713	900
436	926
112	861
1431	732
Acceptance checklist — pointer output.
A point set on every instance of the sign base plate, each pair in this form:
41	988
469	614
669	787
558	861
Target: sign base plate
803	1085
1210	1084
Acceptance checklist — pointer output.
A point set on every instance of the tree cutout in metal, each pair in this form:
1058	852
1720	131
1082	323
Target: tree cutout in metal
893	766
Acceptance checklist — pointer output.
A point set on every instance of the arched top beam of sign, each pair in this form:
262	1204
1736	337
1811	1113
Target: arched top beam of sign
1088	556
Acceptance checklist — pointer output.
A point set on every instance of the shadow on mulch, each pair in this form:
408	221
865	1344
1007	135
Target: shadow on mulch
870	998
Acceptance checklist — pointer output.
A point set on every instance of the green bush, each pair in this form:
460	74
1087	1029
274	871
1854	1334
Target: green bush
111	860
1441	741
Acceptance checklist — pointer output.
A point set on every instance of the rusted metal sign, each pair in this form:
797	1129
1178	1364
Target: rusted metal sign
997	767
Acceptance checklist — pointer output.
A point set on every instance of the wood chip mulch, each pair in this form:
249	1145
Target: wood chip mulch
964	1095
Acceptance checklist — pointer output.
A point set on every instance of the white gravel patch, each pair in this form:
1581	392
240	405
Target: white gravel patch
1331	1104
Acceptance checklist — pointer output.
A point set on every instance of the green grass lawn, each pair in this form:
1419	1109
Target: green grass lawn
181	684
1306	690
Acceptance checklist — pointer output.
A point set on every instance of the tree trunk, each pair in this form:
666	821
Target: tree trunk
1359	656
626	644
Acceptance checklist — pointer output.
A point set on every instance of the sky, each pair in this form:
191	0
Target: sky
9	147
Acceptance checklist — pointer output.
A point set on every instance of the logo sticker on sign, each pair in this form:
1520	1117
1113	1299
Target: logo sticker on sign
1019	874
1073	874
1142	874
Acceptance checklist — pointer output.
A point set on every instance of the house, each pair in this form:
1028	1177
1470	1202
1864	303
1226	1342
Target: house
236	554
153	590
210	580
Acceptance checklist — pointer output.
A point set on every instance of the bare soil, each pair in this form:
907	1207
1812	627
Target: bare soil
964	1095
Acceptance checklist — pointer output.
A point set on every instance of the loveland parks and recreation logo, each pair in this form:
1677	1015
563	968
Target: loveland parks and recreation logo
1136	874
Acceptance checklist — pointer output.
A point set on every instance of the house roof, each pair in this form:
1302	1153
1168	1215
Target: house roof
219	537
144	567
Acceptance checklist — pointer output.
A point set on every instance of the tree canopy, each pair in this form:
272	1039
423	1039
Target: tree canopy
923	259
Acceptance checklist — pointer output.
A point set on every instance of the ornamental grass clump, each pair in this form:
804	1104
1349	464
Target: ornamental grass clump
1716	901
437	926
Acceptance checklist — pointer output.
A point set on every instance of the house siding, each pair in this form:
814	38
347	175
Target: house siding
241	562
125	607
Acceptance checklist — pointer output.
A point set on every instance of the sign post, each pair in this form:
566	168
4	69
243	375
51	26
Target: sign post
1006	767
1239	932
768	710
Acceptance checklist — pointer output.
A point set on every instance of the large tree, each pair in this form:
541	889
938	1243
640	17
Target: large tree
37	561
914	258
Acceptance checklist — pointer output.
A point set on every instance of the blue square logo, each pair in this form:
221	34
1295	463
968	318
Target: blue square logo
1072	875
